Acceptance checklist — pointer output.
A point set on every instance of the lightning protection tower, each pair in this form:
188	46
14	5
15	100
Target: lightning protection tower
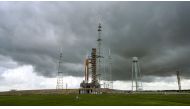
60	73
110	69
178	80
136	75
99	53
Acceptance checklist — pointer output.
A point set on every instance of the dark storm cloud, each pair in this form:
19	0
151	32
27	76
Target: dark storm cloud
156	32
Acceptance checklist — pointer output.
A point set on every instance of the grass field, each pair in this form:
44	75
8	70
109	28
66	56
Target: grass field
97	100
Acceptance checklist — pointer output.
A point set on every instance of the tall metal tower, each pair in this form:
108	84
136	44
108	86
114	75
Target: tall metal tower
136	75
110	69
178	79
93	66
99	54
104	71
60	73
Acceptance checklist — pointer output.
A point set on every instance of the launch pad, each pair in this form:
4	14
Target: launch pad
90	68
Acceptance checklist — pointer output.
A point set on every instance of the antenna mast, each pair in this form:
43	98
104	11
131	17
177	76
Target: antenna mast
60	74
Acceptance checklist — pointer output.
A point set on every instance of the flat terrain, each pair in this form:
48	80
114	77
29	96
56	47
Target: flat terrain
96	100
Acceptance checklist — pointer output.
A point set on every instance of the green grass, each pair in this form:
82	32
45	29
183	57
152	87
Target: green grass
97	100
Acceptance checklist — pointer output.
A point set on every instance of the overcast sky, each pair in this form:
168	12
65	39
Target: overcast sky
32	33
